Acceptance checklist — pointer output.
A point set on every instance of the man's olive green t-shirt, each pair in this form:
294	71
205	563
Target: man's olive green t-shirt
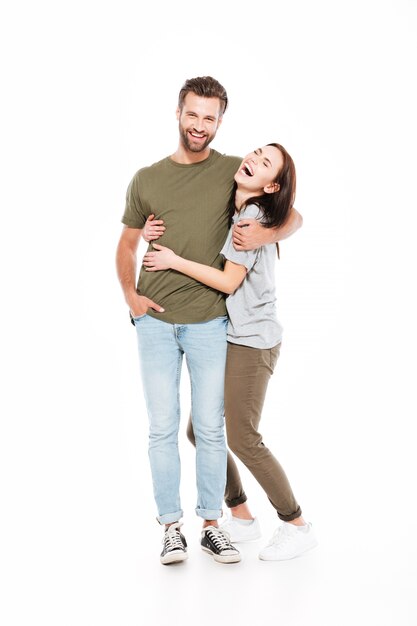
192	200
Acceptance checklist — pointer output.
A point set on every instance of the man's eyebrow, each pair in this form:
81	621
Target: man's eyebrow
208	117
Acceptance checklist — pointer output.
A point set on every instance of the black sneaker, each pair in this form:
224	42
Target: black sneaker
217	543
175	546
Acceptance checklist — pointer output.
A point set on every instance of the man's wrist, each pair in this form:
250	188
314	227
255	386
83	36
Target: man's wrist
131	297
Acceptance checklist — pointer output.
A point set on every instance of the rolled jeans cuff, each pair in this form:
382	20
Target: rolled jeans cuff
209	514
170	518
236	501
291	517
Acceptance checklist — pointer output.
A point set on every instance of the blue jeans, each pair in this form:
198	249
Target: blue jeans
161	349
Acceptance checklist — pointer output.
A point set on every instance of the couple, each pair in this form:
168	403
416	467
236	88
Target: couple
196	195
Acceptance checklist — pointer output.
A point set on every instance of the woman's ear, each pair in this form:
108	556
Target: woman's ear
272	188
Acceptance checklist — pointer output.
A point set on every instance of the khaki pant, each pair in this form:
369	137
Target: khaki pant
248	371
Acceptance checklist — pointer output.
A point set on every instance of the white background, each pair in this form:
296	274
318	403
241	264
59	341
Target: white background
89	96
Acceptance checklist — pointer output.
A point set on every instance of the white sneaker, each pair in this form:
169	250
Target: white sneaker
288	542
239	533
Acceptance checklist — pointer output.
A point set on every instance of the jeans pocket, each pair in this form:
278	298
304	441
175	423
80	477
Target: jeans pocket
136	318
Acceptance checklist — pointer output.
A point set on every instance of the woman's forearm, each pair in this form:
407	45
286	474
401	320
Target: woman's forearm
226	281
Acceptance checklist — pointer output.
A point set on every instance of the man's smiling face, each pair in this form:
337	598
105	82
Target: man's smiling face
198	120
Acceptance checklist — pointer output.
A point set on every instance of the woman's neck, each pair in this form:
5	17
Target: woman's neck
241	196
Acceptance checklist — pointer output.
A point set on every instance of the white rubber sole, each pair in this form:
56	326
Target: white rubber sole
173	557
227	558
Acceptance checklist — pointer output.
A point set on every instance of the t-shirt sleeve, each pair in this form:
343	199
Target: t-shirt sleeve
134	215
242	257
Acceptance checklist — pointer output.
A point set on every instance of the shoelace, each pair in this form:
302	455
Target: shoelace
172	540
220	540
280	535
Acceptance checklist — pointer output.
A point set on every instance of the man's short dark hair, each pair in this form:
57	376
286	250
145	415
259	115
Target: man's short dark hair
206	87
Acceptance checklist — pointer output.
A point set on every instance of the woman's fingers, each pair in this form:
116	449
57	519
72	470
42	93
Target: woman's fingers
148	258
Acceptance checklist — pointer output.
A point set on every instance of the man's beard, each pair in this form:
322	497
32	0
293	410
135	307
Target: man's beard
194	147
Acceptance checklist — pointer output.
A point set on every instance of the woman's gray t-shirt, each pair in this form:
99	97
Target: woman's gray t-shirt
252	307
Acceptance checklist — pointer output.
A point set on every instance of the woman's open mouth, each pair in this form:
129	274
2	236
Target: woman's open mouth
247	169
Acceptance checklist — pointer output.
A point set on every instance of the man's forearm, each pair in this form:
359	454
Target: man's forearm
126	263
126	271
249	234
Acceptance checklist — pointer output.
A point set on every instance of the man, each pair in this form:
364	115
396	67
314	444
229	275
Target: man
175	315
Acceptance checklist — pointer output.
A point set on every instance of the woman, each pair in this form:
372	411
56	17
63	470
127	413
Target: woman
265	190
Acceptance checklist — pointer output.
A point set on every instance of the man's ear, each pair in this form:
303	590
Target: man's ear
178	113
220	120
271	188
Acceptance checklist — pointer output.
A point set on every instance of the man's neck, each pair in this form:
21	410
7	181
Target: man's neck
186	157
